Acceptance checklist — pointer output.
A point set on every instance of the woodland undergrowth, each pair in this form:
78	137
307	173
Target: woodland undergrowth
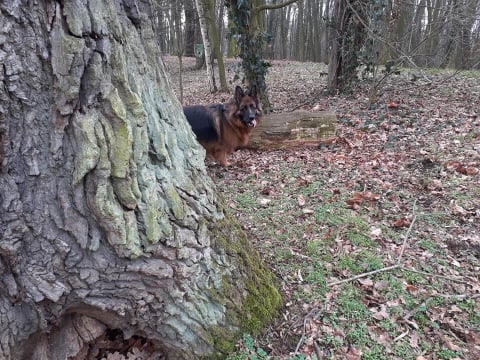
373	235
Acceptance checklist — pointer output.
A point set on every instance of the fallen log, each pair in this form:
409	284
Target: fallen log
297	128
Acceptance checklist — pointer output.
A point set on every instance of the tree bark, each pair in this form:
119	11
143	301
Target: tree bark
347	38
300	32
108	218
190	24
215	41
201	10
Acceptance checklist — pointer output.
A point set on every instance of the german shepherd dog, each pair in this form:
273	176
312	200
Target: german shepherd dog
223	128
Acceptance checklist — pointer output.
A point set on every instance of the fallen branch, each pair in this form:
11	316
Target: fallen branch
304	331
359	276
403	268
388	268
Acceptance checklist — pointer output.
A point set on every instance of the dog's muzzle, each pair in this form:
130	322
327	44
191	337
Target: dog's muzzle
252	123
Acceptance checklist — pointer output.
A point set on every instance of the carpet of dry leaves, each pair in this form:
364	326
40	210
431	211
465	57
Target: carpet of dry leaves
375	235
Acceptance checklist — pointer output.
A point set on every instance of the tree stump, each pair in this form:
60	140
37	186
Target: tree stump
298	128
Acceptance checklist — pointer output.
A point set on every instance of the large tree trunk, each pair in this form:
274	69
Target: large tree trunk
108	220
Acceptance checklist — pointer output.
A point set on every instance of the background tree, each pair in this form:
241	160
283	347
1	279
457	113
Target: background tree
424	33
207	46
348	36
211	43
214	34
247	29
108	218
193	34
191	23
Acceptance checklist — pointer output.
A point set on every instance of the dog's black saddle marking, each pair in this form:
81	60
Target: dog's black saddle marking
202	120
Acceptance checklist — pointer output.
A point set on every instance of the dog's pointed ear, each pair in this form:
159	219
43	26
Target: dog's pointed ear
253	91
239	94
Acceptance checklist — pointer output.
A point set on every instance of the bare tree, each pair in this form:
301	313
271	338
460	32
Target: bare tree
191	22
248	30
202	17
214	35
108	218
348	36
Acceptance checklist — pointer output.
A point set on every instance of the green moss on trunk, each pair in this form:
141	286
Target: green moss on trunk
257	310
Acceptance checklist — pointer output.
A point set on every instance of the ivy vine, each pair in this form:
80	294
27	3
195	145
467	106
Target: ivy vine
250	40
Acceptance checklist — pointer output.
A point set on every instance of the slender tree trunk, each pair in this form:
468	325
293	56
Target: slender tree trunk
300	37
214	37
190	22
315	24
220	11
201	10
326	30
439	32
335	61
348	36
417	30
285	45
108	218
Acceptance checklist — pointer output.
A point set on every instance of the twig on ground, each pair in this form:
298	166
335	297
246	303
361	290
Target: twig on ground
401	336
459	297
407	235
305	319
359	276
388	268
318	351
300	342
403	268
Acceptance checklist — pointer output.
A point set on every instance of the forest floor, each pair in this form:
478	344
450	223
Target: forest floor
375	238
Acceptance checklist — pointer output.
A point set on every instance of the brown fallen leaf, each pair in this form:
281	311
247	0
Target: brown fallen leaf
402	222
472	337
392	105
466	170
355	200
360	197
449	344
381	285
353	354
457	209
381	314
411	288
414	339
